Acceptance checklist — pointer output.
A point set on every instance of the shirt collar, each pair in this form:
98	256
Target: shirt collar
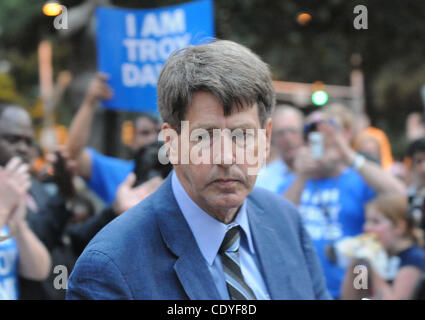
208	231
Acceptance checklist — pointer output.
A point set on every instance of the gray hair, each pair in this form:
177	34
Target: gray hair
231	72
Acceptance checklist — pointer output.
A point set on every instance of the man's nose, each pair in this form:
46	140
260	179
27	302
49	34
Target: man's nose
224	153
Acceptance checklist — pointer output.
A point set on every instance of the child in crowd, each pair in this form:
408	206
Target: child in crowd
389	220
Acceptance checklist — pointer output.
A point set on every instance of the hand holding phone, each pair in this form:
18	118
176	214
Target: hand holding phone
315	141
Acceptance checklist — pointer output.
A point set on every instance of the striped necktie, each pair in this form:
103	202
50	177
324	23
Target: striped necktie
229	251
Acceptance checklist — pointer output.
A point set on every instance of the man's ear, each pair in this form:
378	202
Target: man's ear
171	142
268	128
165	127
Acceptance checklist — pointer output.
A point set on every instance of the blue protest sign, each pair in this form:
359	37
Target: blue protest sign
133	45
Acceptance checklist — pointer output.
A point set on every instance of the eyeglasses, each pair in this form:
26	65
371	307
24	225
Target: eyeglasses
147	132
283	132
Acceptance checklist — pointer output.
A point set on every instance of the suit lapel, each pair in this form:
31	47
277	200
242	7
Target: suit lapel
190	267
275	269
195	277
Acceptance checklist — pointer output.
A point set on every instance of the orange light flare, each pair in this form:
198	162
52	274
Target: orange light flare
304	19
52	8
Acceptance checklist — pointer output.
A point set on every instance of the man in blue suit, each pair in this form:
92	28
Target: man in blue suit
206	233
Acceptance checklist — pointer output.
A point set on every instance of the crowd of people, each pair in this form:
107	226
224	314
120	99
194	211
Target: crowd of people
60	221
349	187
333	191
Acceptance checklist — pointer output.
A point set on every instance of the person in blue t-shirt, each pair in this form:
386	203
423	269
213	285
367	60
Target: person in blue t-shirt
332	189
103	173
21	252
287	138
8	267
389	221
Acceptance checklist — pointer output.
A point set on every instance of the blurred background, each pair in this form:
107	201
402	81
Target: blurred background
303	41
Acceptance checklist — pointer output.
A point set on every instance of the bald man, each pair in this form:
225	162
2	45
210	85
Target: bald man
287	138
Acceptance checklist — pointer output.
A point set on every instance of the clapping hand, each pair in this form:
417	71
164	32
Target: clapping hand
14	184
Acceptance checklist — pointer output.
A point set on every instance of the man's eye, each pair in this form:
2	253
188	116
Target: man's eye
239	134
249	133
242	133
146	132
201	136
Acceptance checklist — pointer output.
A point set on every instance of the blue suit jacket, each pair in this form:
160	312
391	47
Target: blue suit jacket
149	252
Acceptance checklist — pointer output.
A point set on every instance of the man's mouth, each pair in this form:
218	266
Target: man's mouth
226	182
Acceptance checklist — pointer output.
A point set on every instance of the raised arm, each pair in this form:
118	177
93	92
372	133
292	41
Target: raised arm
377	178
304	165
81	124
34	259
